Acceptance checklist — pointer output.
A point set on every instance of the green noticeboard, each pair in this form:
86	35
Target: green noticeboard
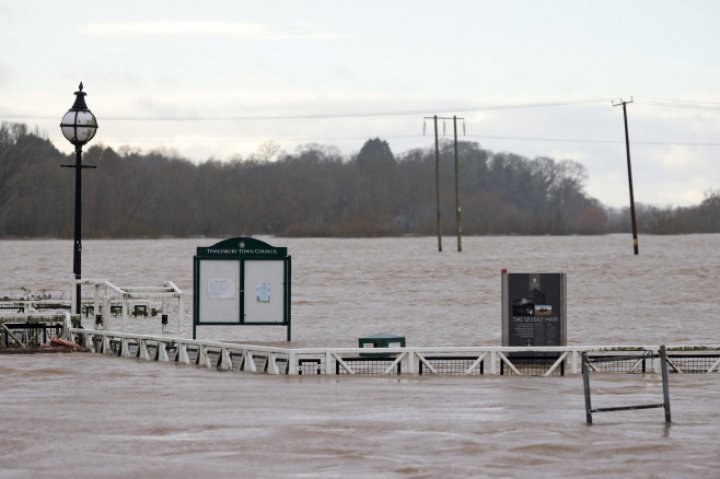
242	282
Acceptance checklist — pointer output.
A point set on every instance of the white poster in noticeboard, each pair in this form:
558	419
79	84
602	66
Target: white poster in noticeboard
221	288
220	291
263	292
262	278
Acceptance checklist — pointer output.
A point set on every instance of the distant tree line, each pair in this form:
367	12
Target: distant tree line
702	218
314	191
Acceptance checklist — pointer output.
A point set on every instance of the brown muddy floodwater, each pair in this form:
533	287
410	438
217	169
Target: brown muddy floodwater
82	415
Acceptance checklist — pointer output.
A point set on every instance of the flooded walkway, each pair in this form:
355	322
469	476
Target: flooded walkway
82	415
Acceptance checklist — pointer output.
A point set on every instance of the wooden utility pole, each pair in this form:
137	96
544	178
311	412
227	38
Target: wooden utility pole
458	223
437	183
630	180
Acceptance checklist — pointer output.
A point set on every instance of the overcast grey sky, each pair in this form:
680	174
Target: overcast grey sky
533	77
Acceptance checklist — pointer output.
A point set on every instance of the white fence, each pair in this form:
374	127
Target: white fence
24	329
546	361
106	295
109	304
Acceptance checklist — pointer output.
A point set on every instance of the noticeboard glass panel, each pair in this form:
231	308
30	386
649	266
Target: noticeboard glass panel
264	291
219	291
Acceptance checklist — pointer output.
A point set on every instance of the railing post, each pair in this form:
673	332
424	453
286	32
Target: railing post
96	303
106	345
143	350
162	355
203	359
586	389
328	362
412	363
67	325
272	367
73	300
665	381
493	362
574	362
89	342
181	315
657	362
225	362
248	363
181	356
292	364
125	308
106	312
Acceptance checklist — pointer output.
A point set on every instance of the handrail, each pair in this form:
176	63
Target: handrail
134	293
38	317
101	282
34	316
411	357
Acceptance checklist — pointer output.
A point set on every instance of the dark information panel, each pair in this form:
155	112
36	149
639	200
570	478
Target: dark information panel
534	307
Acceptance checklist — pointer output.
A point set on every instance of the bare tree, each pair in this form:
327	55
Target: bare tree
268	150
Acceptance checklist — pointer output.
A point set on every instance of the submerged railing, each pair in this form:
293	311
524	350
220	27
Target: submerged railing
32	329
108	305
463	361
110	300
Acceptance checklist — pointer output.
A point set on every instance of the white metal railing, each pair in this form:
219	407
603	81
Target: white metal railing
33	318
33	306
407	360
99	341
36	316
107	294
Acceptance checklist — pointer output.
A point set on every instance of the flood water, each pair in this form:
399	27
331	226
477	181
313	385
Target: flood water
81	415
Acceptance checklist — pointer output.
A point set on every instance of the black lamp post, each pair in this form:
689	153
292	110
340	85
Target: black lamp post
78	125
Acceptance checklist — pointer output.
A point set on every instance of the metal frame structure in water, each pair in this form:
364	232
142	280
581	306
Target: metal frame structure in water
589	410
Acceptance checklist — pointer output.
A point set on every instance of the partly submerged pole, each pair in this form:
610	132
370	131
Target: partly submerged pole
665	380
586	388
437	183
458	223
630	179
77	236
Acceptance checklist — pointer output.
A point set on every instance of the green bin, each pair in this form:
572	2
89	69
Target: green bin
380	340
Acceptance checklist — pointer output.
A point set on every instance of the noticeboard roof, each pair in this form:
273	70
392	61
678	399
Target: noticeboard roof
241	247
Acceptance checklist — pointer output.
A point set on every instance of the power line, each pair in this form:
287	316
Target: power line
516	106
676	103
226	139
535	138
677	100
681	106
587	140
417	136
653	101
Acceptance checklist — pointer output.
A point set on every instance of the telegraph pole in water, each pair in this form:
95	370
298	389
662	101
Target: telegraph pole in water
437	183
458	210
458	224
630	180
